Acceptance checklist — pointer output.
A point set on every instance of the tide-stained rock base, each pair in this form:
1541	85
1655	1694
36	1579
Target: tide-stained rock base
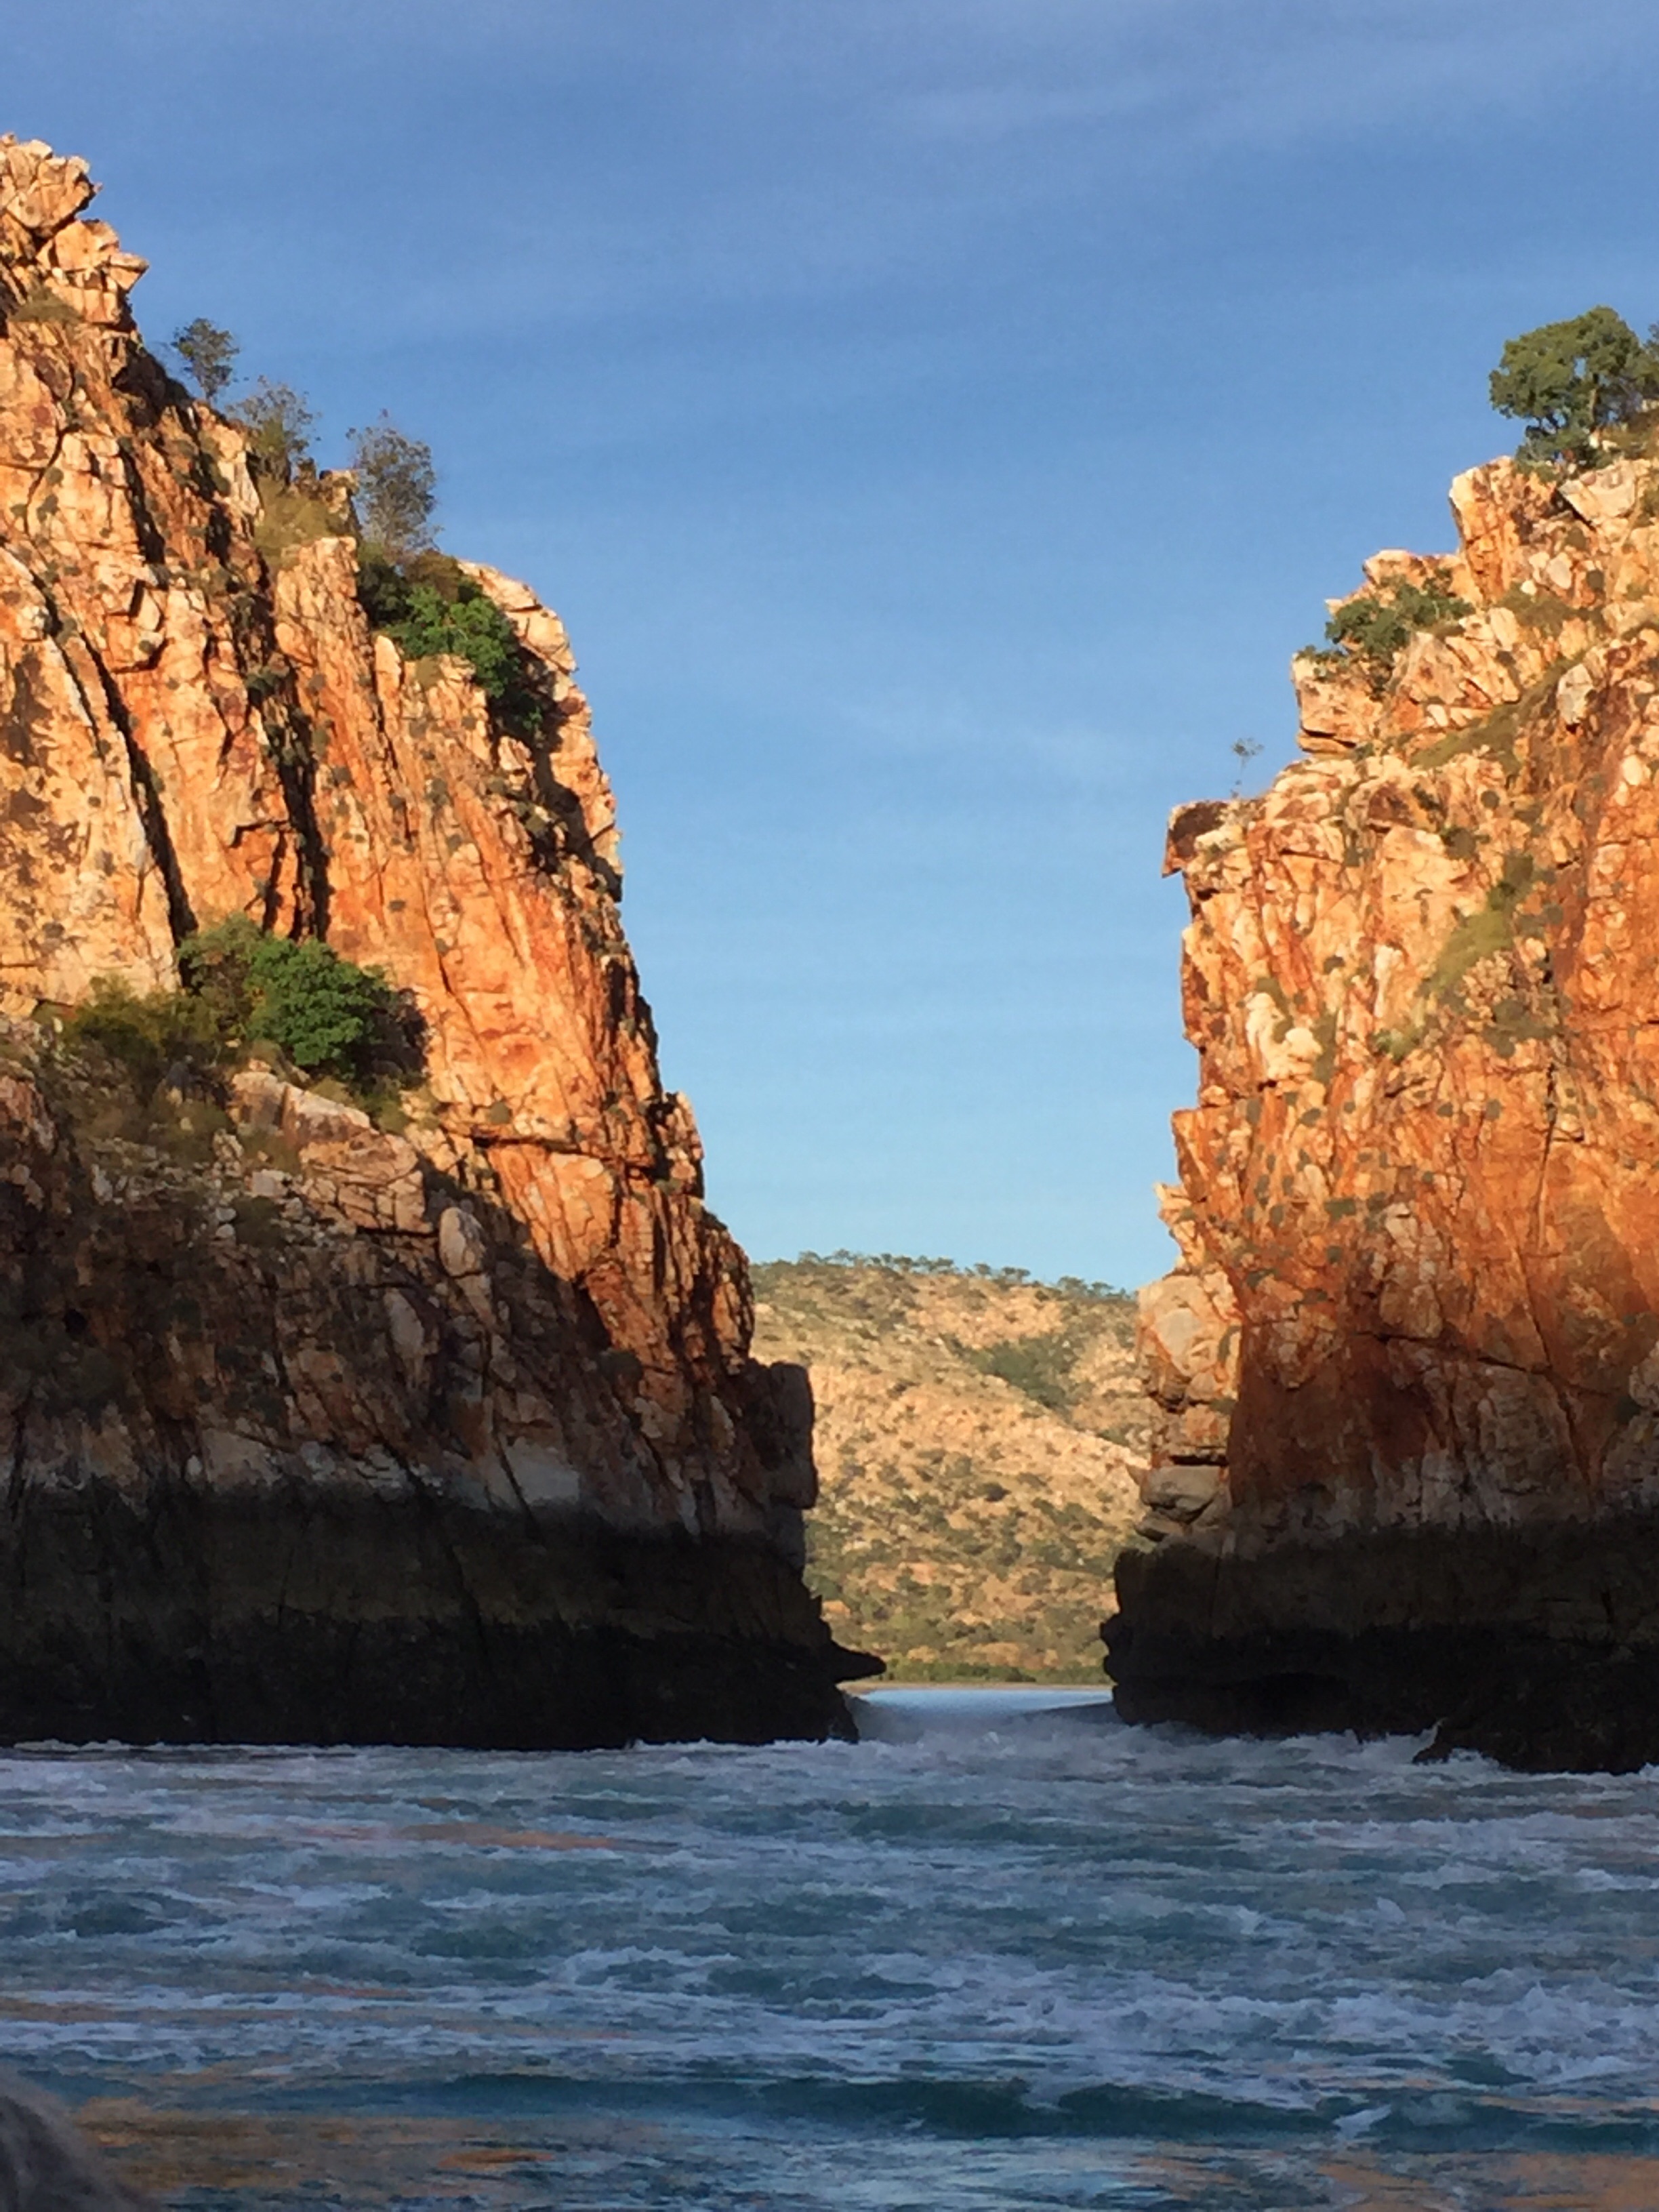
1537	1646
301	1618
326	1453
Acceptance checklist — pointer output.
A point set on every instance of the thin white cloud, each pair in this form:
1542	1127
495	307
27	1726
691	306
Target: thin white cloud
528	163
1206	76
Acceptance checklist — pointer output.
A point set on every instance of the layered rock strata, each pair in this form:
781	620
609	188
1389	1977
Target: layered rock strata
323	1432
1408	1367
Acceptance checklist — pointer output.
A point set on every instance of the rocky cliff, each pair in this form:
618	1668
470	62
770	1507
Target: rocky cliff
315	1429
1409	1469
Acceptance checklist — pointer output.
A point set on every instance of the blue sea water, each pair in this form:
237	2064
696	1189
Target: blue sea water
1003	1953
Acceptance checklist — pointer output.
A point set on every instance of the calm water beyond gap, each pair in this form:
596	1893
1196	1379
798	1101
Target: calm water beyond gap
1004	1952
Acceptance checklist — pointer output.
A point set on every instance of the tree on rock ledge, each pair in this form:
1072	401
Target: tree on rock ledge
396	489
1570	382
209	355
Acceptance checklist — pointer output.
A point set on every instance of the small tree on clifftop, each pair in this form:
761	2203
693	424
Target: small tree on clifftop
1570	382
209	355
278	421
397	489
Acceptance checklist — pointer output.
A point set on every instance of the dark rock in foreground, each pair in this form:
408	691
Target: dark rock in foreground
47	2165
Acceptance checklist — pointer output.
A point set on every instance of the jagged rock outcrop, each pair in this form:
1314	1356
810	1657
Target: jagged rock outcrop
326	1432
1409	1364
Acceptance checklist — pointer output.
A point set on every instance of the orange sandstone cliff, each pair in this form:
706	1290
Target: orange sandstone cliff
335	1433
1409	1473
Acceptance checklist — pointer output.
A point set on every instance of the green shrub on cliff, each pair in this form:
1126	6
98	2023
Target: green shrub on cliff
420	599
428	605
242	988
150	1034
1374	629
1570	383
329	1016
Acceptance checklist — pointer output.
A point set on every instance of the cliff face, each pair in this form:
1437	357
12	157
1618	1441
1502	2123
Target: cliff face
324	1431
1409	1367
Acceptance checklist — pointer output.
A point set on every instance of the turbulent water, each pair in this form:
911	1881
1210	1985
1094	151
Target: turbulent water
992	1956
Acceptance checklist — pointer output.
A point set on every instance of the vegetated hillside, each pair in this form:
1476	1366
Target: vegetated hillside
978	1439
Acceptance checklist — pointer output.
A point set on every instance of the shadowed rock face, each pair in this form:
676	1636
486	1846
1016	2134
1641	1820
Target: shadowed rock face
1409	1467
314	1431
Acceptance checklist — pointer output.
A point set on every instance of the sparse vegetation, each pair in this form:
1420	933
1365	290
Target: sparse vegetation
397	491
420	597
428	605
150	1035
1243	750
901	1263
1585	388
241	990
1497	732
977	1435
293	513
43	305
279	421
328	1016
209	355
1040	1366
1536	609
1373	628
1488	931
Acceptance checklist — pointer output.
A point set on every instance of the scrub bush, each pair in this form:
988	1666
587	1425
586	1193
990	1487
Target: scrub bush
428	605
329	1016
43	305
150	1035
1374	628
1570	382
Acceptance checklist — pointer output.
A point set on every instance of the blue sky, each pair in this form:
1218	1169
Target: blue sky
938	421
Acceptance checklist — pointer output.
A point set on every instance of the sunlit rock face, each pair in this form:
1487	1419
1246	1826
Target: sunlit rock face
1409	1362
477	1392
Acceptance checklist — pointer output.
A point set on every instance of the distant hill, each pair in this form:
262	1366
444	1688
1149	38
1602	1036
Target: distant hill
978	1440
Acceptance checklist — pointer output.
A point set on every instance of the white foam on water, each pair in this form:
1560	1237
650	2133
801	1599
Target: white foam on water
1014	1896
